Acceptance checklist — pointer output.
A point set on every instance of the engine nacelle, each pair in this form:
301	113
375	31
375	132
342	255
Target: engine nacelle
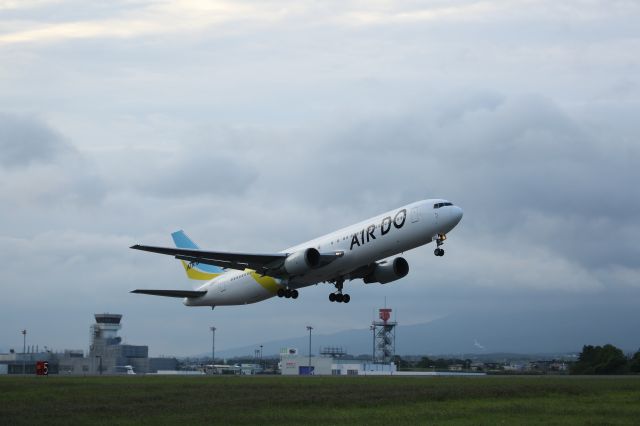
302	261
386	272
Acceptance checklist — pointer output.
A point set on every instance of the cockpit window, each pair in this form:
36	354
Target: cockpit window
438	205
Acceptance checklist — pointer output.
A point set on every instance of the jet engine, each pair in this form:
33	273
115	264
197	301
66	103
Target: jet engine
302	261
385	272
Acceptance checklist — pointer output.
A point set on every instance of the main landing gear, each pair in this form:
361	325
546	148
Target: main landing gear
338	296
288	293
439	241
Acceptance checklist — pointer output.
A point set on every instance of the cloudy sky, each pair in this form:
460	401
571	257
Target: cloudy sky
255	125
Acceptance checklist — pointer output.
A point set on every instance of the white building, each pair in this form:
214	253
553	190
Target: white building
292	364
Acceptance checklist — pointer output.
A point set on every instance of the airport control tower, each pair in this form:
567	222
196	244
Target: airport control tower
105	331
107	353
384	332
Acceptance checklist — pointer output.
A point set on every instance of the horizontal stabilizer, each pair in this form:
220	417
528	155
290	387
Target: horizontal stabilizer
171	293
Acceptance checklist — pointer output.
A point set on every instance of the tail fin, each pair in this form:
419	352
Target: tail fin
197	271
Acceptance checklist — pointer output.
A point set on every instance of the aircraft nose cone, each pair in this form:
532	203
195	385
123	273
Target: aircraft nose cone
457	215
454	215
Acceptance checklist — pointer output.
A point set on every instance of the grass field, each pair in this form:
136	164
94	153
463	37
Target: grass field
385	401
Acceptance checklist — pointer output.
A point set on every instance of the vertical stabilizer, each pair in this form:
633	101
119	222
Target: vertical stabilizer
195	271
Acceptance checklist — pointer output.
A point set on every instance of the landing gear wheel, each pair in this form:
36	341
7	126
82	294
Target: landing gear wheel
439	241
294	294
338	296
280	292
346	298
287	293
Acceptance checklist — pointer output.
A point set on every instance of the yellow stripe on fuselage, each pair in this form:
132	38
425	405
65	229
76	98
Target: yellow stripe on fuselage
196	274
268	283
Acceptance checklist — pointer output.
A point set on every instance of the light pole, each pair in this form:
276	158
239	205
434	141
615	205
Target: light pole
24	351
309	328
261	361
213	345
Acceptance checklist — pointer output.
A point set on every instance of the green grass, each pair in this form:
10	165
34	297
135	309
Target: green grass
385	401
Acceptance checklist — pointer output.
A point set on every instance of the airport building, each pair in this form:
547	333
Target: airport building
107	355
331	362
334	361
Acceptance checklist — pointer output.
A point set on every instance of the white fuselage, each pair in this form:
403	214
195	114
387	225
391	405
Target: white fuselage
363	243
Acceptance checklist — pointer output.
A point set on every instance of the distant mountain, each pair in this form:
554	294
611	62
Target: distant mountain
484	332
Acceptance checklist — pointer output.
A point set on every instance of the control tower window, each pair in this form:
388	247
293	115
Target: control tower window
109	321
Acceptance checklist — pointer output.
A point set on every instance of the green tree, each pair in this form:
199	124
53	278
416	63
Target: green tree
634	363
425	362
441	364
400	363
605	359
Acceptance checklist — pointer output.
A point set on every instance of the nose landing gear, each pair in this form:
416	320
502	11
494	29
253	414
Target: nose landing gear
439	241
338	296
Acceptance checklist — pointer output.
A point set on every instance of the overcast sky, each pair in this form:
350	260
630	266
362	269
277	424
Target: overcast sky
256	125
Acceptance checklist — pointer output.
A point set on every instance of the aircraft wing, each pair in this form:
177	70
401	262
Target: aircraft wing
263	263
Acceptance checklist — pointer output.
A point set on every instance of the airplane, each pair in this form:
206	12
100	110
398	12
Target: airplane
361	251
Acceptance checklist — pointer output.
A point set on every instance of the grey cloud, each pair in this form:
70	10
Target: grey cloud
199	172
24	140
68	11
195	168
454	109
41	168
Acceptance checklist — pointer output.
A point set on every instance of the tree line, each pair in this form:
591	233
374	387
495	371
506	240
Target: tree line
606	359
